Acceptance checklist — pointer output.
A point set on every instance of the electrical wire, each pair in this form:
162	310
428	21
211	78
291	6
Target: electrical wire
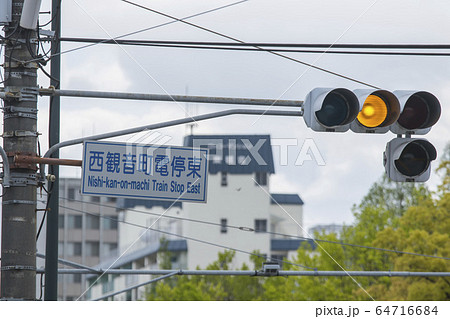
360	246
53	17
249	229
48	193
2	80
41	46
41	287
257	47
267	44
150	28
10	58
436	54
16	27
37	57
165	216
263	47
183	237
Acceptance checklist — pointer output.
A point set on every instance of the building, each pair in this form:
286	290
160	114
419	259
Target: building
84	236
241	214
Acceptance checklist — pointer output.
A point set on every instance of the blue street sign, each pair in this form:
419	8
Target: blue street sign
144	171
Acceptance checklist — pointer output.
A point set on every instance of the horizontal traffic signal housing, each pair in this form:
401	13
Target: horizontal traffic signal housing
419	111
330	110
408	159
379	109
371	111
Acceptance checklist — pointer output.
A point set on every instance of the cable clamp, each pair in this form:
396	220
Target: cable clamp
19	75
46	33
47	91
23	179
16	65
20	133
18	267
20	114
270	269
29	94
22	94
16	109
19	201
11	112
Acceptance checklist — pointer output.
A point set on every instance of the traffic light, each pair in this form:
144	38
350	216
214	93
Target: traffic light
379	109
363	111
330	110
420	110
408	159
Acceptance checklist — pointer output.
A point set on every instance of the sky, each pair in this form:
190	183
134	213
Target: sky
351	162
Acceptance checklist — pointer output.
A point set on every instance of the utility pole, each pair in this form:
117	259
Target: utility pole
51	243
18	268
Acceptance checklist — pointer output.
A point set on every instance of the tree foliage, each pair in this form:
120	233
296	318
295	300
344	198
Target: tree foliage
396	216
227	288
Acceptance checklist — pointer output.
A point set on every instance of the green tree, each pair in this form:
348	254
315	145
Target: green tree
327	256
396	216
193	288
423	229
388	214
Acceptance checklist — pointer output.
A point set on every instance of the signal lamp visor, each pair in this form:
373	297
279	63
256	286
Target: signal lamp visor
415	158
421	110
338	108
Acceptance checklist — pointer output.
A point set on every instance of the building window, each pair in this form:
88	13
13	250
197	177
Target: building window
92	248
140	263
73	249
223	179
223	225
277	259
75	278
107	283
109	223
260	225
92	222
71	194
95	199
74	221
261	178
60	248
110	247
61	221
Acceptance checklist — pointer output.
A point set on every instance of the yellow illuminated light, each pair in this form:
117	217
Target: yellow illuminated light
374	111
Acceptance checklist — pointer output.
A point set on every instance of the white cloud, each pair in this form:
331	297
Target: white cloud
353	161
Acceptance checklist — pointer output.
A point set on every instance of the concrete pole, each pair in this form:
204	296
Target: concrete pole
18	268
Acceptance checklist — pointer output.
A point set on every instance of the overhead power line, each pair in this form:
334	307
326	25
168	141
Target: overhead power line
152	27
274	47
281	273
181	236
249	229
257	47
269	44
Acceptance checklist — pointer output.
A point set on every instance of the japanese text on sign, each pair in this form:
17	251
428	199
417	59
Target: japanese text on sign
142	171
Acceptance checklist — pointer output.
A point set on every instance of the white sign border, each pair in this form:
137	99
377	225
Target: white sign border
168	199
